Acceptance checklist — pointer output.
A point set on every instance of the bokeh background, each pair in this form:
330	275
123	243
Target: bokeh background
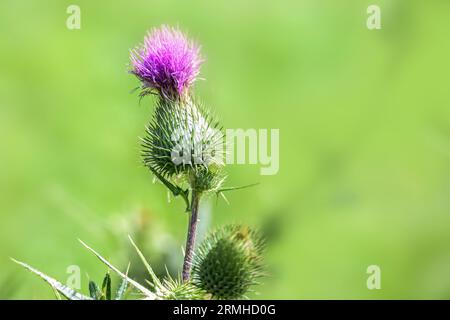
364	119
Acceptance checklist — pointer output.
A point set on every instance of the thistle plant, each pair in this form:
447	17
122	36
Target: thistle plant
183	148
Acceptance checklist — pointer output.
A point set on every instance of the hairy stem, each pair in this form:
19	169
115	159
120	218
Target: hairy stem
190	241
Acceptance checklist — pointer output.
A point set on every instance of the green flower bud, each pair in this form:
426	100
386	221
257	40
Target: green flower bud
228	262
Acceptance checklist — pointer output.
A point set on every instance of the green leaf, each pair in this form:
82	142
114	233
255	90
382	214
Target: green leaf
141	288
120	294
106	287
66	291
122	289
94	291
176	191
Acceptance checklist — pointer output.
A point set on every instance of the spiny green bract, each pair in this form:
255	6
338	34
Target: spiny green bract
228	262
202	179
183	141
179	290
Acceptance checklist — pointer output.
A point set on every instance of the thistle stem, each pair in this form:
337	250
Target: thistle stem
190	241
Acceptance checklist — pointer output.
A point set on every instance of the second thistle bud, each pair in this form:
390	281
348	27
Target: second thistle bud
228	262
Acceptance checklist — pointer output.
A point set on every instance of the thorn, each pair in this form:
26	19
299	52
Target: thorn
224	198
128	268
167	270
14	260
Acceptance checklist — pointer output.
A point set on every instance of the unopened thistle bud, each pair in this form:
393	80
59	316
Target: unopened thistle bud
167	63
228	262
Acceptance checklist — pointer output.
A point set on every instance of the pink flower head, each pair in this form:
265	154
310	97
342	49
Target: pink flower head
167	62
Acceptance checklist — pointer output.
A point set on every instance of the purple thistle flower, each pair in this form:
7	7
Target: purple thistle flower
167	62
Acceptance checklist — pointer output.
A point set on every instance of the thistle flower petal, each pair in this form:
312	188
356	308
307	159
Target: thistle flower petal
167	63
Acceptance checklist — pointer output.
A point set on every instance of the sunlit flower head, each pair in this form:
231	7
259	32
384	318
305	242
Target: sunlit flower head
167	62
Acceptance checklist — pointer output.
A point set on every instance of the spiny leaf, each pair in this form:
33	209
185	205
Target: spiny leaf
94	291
106	287
67	292
123	287
121	290
176	191
135	284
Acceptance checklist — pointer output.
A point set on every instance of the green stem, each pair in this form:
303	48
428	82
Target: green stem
190	241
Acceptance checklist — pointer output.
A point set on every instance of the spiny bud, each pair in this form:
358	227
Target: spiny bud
228	262
183	139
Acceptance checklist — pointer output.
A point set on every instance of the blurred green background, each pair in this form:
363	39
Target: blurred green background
364	119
